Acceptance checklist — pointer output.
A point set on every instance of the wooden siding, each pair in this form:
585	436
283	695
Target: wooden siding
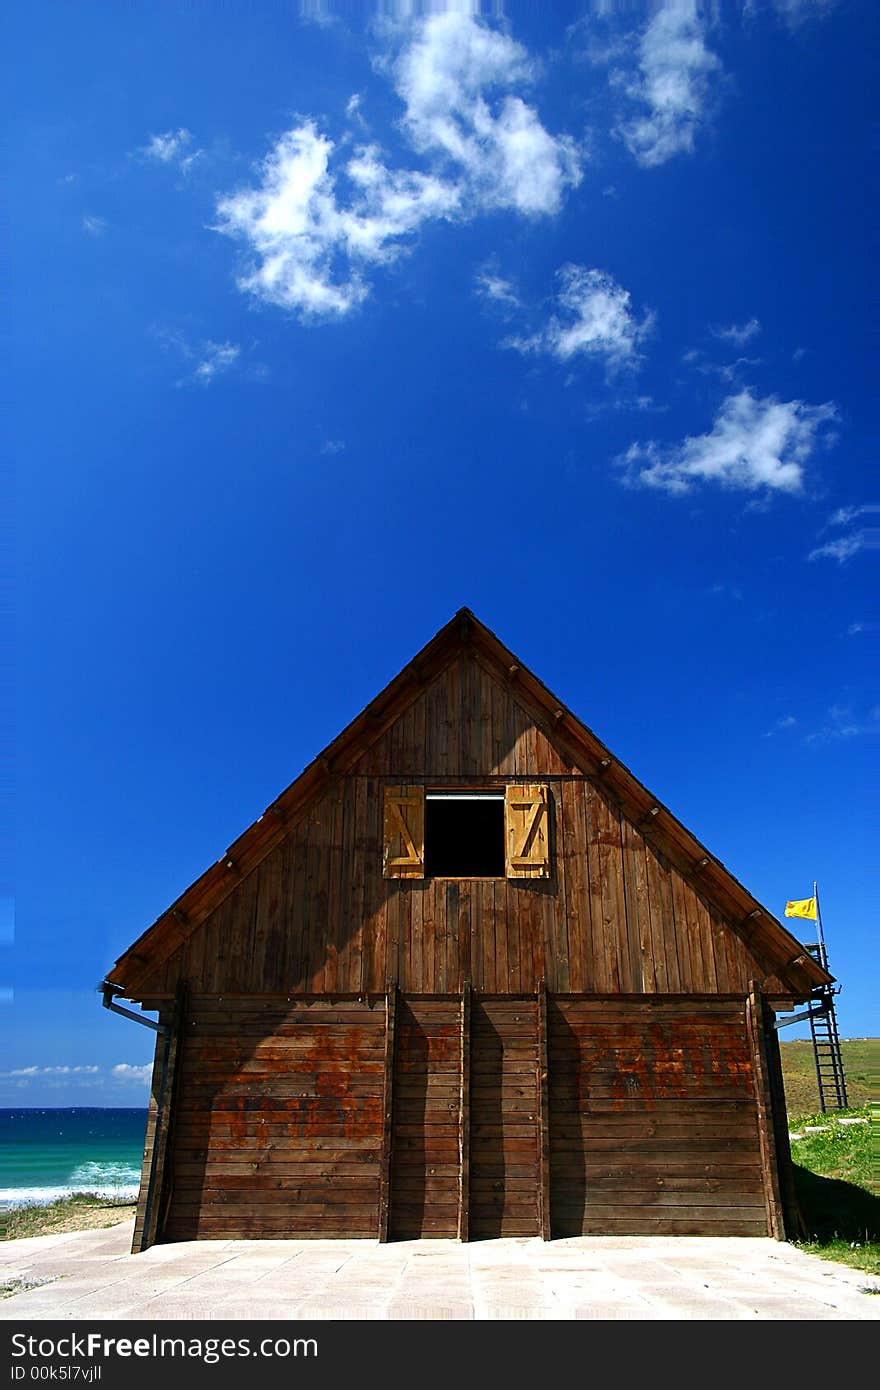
425	1160
653	1119
647	1119
504	1109
317	914
278	1123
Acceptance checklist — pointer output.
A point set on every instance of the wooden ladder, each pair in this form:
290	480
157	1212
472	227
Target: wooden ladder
826	1043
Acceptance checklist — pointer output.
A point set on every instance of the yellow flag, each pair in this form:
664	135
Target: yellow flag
802	907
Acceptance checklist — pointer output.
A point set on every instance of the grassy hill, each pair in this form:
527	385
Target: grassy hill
861	1066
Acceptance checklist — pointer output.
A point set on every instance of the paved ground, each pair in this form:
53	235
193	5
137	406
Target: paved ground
93	1276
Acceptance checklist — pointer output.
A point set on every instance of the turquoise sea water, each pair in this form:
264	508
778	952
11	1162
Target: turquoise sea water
45	1154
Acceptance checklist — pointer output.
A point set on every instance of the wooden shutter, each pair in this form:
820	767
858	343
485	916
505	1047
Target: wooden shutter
404	837
527	831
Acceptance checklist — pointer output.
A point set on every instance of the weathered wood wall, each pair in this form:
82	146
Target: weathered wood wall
653	1119
278	1129
318	916
652	1116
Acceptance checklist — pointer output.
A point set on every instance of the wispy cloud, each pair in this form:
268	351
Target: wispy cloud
95	226
784	723
217	358
124	1071
842	722
674	68
738	333
35	1073
333	446
173	147
754	445
730	372
594	319
206	360
843	548
495	288
796	12
320	217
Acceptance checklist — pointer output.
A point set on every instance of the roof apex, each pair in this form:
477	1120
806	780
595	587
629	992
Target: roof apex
465	630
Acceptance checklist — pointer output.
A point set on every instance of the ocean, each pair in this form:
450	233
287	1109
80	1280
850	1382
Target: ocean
46	1154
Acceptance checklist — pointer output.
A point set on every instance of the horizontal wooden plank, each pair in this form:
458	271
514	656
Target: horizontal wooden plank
694	1223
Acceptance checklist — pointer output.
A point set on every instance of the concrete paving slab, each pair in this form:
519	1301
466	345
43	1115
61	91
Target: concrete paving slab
587	1278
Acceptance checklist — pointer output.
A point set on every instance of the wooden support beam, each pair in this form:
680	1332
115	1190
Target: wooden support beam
543	1113
387	1112
464	1125
795	1225
764	1100
155	1180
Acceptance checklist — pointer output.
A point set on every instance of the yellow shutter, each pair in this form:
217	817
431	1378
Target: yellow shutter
404	837
527	831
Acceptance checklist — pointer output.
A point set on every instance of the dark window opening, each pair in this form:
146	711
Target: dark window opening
464	835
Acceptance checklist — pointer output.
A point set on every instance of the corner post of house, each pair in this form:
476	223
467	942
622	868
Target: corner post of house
543	1089
464	1126
755	1025
156	1174
387	1112
794	1223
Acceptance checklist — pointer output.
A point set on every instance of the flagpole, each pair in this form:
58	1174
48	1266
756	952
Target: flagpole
819	923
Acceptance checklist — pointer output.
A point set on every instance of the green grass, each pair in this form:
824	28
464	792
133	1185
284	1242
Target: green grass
74	1213
861	1067
836	1184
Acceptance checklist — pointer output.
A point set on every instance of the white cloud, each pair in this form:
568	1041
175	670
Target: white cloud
124	1071
786	721
844	548
319	217
173	147
753	445
333	446
674	70
37	1072
842	722
447	78
738	333
218	357
595	320
496	288
795	11
844	516
309	247
95	226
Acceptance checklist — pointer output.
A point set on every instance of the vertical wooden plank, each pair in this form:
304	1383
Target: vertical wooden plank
387	1113
636	924
764	1103
333	828
656	882
464	1122
578	898
689	975
556	900
543	1080
157	1090
150	1228
606	837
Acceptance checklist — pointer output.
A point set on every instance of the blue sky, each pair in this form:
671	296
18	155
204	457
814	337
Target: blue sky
326	321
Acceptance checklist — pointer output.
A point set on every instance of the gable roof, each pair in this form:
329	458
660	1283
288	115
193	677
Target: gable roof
465	633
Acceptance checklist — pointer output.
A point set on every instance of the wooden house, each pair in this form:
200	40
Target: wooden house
466	977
